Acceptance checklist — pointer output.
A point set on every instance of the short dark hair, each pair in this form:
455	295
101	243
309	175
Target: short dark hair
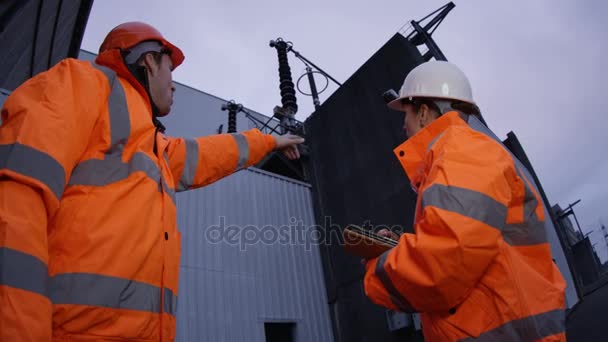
464	107
418	102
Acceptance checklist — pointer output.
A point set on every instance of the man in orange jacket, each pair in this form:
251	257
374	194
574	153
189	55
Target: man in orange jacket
89	248
479	266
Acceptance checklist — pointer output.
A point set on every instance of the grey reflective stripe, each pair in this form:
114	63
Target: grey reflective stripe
101	172
469	203
169	302
478	126
243	145
23	271
105	291
190	165
169	191
432	143
530	202
398	300
111	169
525	234
35	164
531	231
120	125
531	328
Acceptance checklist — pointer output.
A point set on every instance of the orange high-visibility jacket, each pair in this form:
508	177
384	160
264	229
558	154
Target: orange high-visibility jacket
89	247
479	266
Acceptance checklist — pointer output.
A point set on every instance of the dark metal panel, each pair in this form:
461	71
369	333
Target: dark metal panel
36	34
357	179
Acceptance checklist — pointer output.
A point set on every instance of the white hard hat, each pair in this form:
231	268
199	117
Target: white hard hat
434	79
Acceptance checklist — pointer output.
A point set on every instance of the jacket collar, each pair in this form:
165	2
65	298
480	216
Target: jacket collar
113	60
412	152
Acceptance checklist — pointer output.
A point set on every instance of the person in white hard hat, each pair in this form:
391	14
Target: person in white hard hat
479	265
432	89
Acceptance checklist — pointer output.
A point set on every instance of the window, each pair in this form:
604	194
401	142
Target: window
279	332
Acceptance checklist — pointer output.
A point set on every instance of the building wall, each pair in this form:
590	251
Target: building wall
567	227
232	283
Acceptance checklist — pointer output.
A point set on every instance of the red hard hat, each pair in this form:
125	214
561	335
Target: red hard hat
127	35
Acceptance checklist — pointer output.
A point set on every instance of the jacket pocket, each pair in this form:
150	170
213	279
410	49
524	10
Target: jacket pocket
474	316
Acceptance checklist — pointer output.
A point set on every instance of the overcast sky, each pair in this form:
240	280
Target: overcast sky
537	67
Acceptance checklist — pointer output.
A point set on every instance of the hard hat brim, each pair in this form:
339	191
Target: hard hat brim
127	35
177	56
398	103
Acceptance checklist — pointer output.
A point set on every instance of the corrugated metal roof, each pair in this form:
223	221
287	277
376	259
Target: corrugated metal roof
229	288
35	35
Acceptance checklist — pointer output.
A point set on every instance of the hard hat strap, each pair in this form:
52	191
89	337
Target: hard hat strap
141	75
444	106
133	55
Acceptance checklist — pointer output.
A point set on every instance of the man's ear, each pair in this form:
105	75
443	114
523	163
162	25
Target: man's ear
424	113
149	62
